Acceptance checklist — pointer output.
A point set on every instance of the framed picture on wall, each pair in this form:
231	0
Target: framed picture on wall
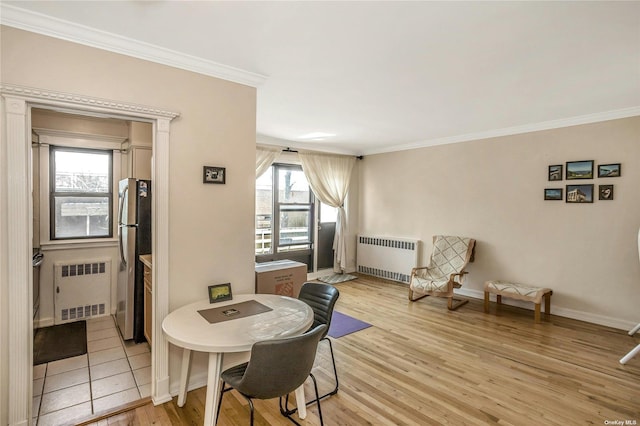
605	192
580	193
555	172
212	174
608	170
553	194
579	170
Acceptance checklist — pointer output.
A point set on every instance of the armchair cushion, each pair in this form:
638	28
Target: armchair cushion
449	257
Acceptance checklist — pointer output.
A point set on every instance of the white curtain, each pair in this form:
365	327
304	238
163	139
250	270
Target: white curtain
329	177
265	156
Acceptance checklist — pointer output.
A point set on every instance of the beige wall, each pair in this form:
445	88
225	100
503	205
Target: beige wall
492	190
211	226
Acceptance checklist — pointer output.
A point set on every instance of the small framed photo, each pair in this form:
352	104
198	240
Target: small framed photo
580	193
605	192
219	292
555	172
608	170
579	170
553	194
212	174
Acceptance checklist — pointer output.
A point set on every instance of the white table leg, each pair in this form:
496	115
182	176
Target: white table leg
213	388
300	402
634	330
635	351
184	377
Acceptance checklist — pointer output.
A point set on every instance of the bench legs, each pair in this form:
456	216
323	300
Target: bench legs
547	305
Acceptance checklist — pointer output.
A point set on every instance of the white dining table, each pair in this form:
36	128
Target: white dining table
187	328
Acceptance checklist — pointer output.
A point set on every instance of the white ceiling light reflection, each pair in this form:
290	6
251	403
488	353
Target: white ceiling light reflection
316	136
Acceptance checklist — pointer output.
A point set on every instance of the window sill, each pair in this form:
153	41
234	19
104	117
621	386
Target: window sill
79	244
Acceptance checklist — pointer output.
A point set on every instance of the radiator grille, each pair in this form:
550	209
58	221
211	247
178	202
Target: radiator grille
83	269
82	289
387	257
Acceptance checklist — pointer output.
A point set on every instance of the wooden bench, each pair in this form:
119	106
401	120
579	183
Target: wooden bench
519	292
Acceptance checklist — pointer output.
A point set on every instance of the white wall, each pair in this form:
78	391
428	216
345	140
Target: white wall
211	226
492	190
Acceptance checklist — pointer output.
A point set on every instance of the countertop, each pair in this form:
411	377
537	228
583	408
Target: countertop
146	259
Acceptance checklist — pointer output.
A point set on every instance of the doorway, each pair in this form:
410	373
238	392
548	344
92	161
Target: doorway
327	217
78	161
16	192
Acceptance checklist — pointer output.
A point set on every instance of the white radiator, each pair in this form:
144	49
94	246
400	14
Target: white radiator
82	289
387	257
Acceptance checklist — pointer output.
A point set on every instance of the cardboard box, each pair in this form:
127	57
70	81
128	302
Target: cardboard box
283	277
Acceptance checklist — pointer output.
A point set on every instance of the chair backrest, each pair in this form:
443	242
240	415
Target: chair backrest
450	253
322	298
279	366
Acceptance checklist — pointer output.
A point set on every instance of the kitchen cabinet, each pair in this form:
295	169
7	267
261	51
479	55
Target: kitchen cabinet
138	151
141	162
148	297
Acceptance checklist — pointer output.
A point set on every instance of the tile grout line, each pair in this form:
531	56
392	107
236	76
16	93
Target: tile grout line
126	354
44	379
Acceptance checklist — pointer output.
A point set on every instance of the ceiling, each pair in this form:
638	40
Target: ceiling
369	77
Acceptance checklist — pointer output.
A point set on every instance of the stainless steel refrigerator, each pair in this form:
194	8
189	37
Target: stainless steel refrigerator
134	235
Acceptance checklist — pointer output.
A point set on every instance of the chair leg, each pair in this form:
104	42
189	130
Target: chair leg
335	374
315	386
250	410
413	299
285	410
453	306
635	351
222	392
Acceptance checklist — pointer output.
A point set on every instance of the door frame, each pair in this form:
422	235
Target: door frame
17	219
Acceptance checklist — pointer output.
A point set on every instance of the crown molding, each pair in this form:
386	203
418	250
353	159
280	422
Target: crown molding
508	131
53	27
84	102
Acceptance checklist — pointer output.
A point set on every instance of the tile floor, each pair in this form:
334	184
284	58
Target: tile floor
112	372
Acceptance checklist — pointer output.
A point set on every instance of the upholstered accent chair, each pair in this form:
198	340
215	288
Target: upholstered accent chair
445	272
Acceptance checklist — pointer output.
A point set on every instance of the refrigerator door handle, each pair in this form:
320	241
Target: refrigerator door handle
121	244
120	210
123	197
123	261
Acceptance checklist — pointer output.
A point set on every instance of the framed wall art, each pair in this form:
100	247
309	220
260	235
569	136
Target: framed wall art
605	192
579	170
212	174
555	172
580	193
219	292
609	170
553	194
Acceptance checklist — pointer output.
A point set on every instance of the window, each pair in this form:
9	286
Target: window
80	193
284	213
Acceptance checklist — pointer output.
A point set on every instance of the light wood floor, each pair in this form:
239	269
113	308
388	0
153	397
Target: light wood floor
422	365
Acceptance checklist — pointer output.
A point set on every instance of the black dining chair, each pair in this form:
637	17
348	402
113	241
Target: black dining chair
322	298
276	368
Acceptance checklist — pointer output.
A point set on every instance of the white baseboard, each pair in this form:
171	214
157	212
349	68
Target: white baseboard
163	392
557	310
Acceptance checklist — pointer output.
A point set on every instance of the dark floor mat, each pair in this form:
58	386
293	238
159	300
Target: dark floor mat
59	342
